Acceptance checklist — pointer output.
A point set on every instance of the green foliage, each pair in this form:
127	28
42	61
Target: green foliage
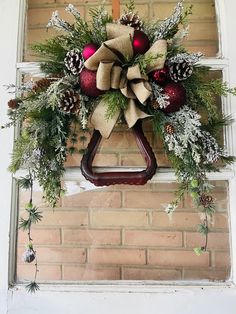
198	251
32	287
52	54
115	101
34	217
203	229
130	6
145	60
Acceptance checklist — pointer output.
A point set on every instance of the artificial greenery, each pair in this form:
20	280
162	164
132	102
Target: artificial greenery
48	133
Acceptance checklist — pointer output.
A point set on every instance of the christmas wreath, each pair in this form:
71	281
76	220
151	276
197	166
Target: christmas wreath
126	70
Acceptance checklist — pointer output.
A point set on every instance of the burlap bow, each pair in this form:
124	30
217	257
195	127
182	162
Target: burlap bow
131	82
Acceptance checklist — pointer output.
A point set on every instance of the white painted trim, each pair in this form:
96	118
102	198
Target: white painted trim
126	300
162	175
227	7
9	12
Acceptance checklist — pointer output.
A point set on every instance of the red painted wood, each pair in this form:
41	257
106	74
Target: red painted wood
115	9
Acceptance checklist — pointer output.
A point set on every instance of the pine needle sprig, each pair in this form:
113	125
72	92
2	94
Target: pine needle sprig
32	287
115	101
100	18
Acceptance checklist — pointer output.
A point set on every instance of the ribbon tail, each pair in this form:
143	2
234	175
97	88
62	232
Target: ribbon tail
100	121
133	113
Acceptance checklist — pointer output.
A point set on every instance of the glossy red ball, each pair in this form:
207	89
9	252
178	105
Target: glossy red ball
141	43
177	96
87	80
89	50
160	76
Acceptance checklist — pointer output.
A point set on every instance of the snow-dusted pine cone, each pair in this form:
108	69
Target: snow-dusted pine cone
69	101
74	61
180	71
131	19
29	255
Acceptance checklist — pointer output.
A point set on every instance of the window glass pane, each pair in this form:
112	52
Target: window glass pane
123	233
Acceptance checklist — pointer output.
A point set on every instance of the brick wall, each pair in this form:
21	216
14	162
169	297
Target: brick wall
203	29
122	232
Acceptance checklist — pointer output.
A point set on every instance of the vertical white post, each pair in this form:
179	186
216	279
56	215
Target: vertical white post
229	46
9	26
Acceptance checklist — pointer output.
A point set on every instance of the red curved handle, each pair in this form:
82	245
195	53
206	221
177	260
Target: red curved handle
124	177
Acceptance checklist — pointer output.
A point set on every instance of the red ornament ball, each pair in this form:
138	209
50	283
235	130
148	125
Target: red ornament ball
87	80
177	96
141	43
160	76
89	50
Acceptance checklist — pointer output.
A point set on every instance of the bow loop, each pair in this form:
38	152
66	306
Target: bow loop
132	83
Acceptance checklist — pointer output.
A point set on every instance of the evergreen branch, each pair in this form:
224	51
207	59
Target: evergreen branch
115	102
32	287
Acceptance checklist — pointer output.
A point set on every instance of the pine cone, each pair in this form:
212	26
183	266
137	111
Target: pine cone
29	255
169	128
155	104
74	61
131	19
69	102
41	85
13	103
206	200
180	71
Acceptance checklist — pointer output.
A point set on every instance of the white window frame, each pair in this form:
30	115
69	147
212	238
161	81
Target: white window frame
108	297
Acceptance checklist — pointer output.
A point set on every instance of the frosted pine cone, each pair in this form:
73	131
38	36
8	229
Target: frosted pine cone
131	19
69	102
180	71
74	61
29	255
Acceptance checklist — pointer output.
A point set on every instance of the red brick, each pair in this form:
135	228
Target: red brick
122	140
41	236
221	221
153	238
207	274
162	159
176	220
61	255
117	256
38	35
220	198
64	218
89	272
33	2
73	160
92	237
215	240
222	259
152	200
119	218
177	258
132	160
93	199
38	200
105	160
46	272
41	16
150	274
